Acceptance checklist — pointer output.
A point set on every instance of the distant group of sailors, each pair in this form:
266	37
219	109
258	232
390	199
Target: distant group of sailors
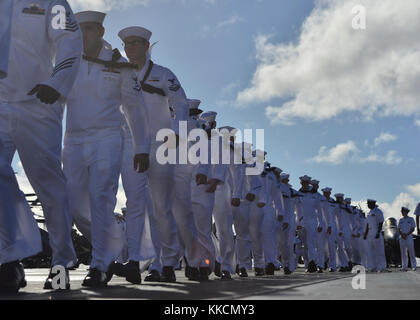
115	109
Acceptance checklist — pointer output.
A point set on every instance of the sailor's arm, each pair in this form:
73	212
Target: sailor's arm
67	45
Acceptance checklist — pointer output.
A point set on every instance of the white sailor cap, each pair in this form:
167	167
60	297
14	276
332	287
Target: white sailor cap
231	130
327	189
405	209
284	176
314	182
135	32
254	153
193	105
209	116
90	16
278	170
339	195
347	199
371	200
305	178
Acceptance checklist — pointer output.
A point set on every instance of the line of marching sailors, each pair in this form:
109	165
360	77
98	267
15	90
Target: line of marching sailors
115	109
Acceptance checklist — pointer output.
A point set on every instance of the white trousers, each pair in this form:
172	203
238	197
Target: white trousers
365	254
182	211
309	238
135	187
269	235
355	248
321	243
202	204
19	234
256	217
223	218
407	245
243	238
286	240
161	181
377	254
332	249
5	28
92	171
35	131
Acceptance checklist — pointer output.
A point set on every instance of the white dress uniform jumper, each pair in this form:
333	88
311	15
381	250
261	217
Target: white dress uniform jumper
32	128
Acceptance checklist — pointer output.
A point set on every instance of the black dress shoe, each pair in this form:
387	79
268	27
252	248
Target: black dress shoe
132	272
286	270
187	271
115	268
48	284
194	274
153	276
243	273
259	272
12	277
319	270
217	269
167	275
269	269
226	275
343	269
204	273
95	279
311	267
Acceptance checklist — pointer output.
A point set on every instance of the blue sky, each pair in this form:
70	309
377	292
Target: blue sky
321	91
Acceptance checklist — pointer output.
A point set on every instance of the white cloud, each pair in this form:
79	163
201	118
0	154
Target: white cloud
333	69
417	122
384	137
348	152
337	154
230	21
414	189
105	5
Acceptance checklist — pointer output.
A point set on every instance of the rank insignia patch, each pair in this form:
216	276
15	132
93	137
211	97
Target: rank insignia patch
174	86
34	9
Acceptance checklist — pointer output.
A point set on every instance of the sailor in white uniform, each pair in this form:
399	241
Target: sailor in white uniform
321	236
270	222
162	90
207	178
93	144
258	197
329	208
182	211
406	227
31	110
344	234
287	225
240	209
308	220
19	235
373	233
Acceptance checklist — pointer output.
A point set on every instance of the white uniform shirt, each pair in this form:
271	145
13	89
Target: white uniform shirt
307	215
35	44
93	106
417	211
374	218
158	105
406	224
6	7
